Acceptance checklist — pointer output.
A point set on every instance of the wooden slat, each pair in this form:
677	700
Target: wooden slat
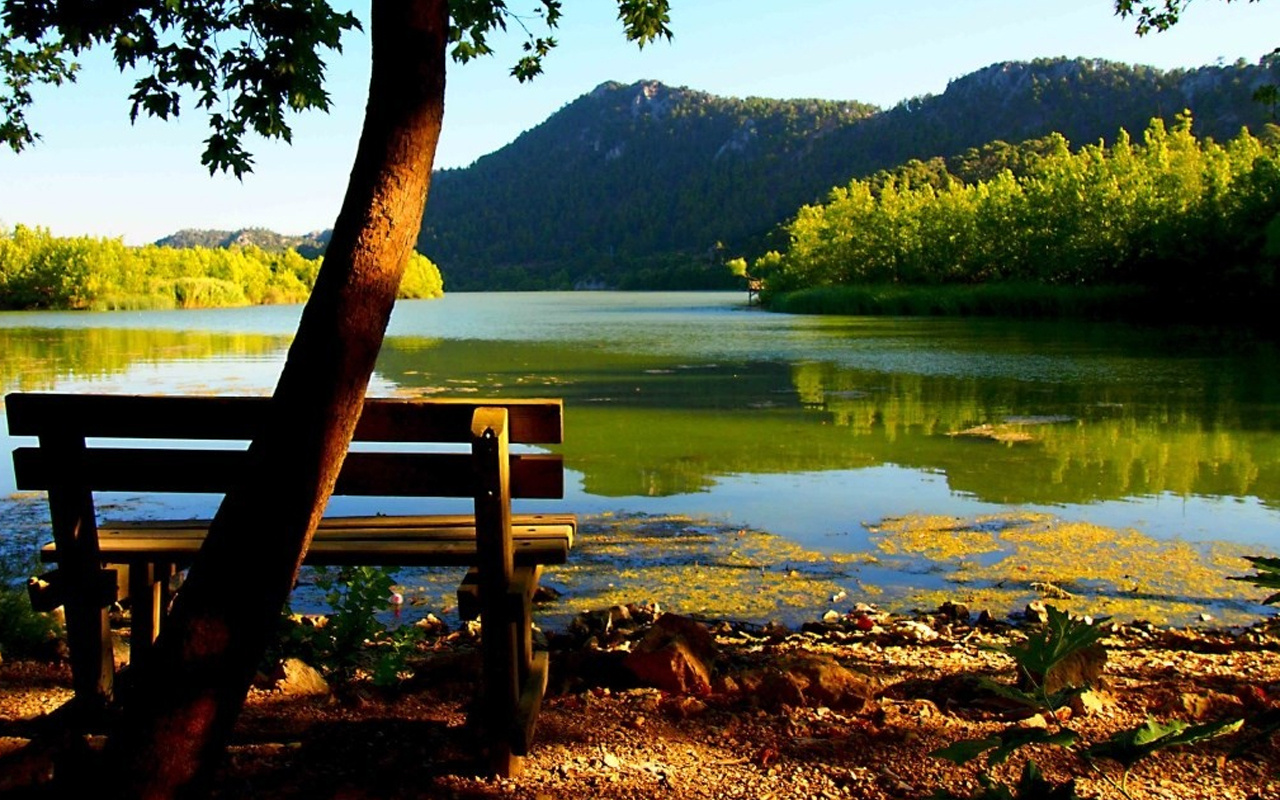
533	421
538	421
402	551
441	527
107	469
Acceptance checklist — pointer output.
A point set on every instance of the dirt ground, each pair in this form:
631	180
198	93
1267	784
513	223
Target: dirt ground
601	735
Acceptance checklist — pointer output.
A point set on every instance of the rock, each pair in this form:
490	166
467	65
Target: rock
1092	702
431	625
810	680
831	616
675	655
119	649
955	612
545	594
1036	612
299	679
915	630
684	707
1081	668
1205	705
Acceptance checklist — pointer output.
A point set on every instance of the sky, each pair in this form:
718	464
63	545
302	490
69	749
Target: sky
93	173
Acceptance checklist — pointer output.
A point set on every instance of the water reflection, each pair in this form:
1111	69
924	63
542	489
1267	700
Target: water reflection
672	396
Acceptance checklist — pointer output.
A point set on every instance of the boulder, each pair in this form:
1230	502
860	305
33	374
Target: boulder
675	655
810	680
1081	668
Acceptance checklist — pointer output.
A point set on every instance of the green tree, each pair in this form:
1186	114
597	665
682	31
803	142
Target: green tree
248	63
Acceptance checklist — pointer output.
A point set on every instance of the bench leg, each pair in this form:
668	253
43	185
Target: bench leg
515	676
89	640
148	595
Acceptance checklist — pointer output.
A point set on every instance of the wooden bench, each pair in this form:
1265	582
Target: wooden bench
504	552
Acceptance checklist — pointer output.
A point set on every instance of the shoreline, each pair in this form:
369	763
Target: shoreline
895	698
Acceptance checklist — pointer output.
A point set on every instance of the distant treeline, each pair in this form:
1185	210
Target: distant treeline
1173	215
42	271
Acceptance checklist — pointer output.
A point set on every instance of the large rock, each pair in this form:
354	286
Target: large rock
810	681
675	655
1082	668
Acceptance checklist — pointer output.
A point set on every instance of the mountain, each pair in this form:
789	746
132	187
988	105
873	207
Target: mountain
309	245
651	186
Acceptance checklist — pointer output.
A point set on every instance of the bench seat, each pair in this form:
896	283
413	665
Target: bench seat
392	541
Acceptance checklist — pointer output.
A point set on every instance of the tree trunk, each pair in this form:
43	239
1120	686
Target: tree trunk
181	710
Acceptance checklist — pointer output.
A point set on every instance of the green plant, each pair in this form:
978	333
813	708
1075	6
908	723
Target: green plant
1032	785
352	638
1267	576
23	630
1042	689
1129	747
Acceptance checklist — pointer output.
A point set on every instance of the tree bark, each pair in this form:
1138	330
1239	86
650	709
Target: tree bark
182	707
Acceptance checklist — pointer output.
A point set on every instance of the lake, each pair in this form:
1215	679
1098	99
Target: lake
894	460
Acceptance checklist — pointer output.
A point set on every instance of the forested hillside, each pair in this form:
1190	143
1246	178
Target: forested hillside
308	245
649	186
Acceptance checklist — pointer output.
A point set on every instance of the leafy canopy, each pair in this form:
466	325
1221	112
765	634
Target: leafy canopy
247	62
1159	16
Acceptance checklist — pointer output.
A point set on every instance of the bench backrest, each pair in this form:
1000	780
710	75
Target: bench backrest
64	423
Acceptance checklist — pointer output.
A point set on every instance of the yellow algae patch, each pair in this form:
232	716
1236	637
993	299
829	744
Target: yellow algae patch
933	537
1085	567
694	566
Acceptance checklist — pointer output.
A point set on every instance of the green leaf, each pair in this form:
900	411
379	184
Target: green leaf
1003	744
1129	747
1062	637
1268	575
1013	738
966	750
1032	785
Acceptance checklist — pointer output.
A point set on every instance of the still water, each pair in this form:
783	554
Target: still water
809	428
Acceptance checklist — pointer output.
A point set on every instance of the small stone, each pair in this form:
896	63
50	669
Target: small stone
915	630
831	616
1206	617
611	761
1091	703
545	594
840	595
431	625
956	612
299	679
1036	612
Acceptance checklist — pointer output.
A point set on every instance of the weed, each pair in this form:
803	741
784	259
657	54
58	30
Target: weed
24	632
1042	689
1267	576
352	639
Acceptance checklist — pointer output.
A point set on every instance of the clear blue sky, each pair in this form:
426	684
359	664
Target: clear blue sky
95	174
